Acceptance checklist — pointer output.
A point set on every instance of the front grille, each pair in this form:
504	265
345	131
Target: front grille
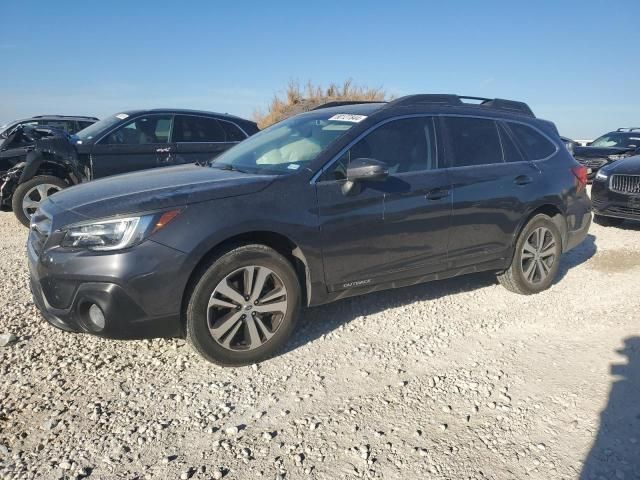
39	231
629	184
592	162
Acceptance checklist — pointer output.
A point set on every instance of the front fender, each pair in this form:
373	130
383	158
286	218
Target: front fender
30	166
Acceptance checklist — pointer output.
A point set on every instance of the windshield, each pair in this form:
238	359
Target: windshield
621	140
288	145
100	127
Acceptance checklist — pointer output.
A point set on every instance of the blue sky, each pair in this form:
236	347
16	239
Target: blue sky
576	63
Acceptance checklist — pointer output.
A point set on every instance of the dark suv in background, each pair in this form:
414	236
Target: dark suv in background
128	141
340	201
66	123
610	147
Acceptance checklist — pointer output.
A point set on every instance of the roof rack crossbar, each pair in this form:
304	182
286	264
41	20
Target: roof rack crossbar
628	129
345	102
457	100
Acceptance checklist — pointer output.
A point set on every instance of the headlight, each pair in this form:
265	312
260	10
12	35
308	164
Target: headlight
602	175
114	234
616	157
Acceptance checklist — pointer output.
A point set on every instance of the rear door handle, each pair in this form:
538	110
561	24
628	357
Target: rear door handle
437	194
523	180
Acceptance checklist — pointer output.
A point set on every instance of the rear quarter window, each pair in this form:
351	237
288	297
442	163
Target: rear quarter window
534	145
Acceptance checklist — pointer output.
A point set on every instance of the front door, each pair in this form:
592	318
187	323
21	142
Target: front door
140	144
391	229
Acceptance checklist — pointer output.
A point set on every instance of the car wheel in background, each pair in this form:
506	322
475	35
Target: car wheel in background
608	221
28	196
243	308
536	258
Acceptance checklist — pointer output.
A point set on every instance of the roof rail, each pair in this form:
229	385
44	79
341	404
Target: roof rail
346	102
64	116
628	129
457	101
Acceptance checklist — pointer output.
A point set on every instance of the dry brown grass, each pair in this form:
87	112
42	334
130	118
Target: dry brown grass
297	99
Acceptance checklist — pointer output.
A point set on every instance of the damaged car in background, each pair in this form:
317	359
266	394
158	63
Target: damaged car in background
612	146
39	162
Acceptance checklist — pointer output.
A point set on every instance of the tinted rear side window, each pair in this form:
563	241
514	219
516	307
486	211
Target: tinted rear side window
233	133
198	129
509	149
473	141
535	145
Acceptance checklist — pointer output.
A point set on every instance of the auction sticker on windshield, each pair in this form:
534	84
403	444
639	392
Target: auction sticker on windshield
348	117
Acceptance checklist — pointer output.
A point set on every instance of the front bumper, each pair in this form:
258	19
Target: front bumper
593	165
612	204
139	290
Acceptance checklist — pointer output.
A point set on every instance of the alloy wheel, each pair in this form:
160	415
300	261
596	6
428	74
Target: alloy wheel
36	195
246	308
538	255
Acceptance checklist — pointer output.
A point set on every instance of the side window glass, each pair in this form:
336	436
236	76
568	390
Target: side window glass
198	129
406	145
535	145
153	129
233	133
473	141
59	124
511	152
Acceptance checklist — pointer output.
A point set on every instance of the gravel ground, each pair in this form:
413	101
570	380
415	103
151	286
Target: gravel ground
457	379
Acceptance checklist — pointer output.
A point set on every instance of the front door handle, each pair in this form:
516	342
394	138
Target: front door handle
523	180
437	194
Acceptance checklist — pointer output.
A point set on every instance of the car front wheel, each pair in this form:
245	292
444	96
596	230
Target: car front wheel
29	195
536	258
244	306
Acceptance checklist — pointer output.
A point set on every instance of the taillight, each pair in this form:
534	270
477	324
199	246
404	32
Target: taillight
580	172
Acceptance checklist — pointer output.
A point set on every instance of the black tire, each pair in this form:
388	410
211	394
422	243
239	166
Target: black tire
514	278
608	221
197	310
24	188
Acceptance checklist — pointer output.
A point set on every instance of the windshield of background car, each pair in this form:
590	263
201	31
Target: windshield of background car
288	145
98	128
617	140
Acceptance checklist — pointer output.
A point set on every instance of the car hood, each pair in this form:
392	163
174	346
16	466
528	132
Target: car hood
588	152
627	166
157	189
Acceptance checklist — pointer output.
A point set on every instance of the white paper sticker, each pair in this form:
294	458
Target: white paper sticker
293	166
122	116
348	117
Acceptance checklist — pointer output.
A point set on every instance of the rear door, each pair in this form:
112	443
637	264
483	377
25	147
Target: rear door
139	144
492	185
201	139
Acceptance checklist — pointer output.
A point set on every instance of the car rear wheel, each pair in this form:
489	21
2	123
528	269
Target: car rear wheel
608	221
244	306
536	258
28	196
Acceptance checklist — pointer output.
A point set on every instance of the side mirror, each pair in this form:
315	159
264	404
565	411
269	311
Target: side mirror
364	169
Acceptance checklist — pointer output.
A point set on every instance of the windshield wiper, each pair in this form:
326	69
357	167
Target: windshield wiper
225	166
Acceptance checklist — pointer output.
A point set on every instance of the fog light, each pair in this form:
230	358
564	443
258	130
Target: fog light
96	317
